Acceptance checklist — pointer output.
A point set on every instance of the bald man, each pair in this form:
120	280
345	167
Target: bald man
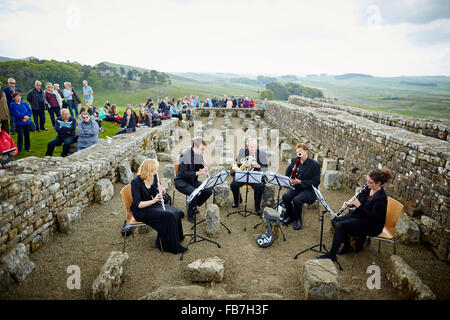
259	165
65	126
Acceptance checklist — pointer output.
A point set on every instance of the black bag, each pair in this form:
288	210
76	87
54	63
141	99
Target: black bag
32	126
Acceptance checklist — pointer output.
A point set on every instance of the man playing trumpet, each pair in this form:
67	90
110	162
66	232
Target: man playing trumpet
259	164
304	173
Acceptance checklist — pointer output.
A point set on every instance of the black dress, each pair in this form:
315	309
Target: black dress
167	223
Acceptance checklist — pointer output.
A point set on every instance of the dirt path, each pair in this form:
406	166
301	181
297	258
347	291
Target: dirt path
250	270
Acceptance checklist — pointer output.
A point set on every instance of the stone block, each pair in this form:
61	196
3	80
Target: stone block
406	280
5	281
333	180
17	263
328	164
164	145
103	190
268	198
125	173
286	152
137	161
108	281
169	171
406	231
167	157
166	292
68	219
206	270
222	198
212	218
320	280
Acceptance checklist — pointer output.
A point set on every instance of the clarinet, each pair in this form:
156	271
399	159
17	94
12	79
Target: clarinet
162	200
347	203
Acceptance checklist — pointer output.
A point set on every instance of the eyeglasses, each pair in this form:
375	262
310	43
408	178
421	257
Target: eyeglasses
85	117
12	83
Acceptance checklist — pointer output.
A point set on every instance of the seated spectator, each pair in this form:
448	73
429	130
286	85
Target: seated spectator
128	123
94	116
175	112
101	113
79	119
234	102
65	126
8	148
144	120
21	112
87	131
264	104
252	103
229	103
246	103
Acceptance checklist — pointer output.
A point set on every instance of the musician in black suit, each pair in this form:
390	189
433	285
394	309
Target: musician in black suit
191	165
260	164
308	175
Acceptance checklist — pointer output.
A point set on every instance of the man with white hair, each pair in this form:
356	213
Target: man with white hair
65	125
9	90
259	164
36	98
88	94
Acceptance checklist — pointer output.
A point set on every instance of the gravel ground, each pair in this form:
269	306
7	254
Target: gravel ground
250	270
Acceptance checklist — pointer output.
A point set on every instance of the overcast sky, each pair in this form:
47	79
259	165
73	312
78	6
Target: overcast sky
382	38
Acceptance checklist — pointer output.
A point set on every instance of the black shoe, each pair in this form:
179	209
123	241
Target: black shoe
298	225
28	150
327	256
287	220
20	152
234	205
345	250
259	212
190	215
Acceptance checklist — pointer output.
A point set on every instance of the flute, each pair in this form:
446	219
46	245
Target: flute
162	199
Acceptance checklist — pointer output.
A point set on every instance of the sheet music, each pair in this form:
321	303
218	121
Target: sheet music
278	179
322	200
217	179
253	177
196	191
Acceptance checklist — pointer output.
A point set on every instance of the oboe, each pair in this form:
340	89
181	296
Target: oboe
162	199
347	203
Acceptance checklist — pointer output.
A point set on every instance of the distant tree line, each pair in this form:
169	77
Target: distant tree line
100	77
278	91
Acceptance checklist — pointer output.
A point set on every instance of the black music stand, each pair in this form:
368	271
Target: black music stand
213	181
246	177
320	244
194	235
280	181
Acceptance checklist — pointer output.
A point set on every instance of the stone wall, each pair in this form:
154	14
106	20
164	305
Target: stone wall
33	190
432	127
419	164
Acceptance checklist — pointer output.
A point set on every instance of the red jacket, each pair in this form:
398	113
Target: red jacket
6	142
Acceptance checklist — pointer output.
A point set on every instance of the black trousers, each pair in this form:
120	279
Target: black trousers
258	189
52	112
23	132
186	188
344	226
294	200
66	142
39	119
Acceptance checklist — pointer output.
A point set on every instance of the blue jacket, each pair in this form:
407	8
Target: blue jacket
65	129
8	92
19	111
87	133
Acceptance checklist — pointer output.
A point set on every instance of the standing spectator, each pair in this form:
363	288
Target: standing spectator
229	104
72	99
53	102
36	98
65	126
196	102
252	103
4	111
61	94
264	104
87	132
214	101
128	123
6	143
88	94
234	102
241	102
21	113
246	103
9	90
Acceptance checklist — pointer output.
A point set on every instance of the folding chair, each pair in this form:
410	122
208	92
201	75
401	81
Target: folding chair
130	223
393	211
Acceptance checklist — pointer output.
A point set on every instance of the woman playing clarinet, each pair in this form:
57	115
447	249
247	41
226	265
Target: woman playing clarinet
147	207
367	218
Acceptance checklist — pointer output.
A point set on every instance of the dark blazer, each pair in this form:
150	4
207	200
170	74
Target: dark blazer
140	193
33	99
372	210
189	164
308	173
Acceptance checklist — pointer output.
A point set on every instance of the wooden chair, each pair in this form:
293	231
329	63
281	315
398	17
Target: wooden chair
393	211
131	223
